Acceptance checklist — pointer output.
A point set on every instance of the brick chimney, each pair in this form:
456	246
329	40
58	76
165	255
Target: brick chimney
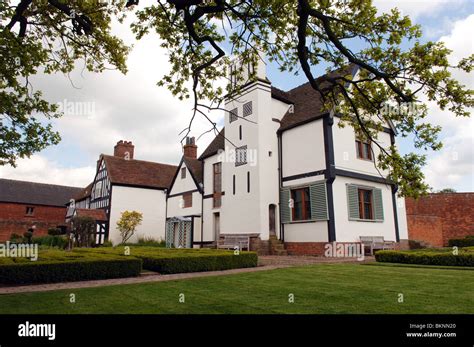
124	149
190	148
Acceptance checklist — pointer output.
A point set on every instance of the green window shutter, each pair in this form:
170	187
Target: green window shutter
378	204
285	205
319	204
353	201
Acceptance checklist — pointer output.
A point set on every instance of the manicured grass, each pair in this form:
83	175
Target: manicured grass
322	288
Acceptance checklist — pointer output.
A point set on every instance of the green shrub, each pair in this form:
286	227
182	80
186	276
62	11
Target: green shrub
172	265
107	243
150	242
426	258
55	231
51	241
16	238
413	244
61	266
169	261
27	236
466	242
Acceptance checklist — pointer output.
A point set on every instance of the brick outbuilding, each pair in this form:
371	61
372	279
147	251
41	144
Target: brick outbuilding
437	218
32	206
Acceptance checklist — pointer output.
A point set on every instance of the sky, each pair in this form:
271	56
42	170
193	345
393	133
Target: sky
132	107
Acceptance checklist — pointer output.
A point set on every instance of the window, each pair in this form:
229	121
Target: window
247	109
98	189
233	184
217	184
240	132
183	173
241	156
30	211
365	204
301	204
248	181
188	200
233	115
363	149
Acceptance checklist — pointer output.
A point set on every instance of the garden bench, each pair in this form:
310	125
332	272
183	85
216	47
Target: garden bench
231	241
376	243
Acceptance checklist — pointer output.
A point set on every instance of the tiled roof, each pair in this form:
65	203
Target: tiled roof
216	144
139	173
36	193
307	101
96	214
195	166
84	193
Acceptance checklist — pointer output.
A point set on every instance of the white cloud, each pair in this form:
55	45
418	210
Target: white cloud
124	107
416	8
41	170
453	166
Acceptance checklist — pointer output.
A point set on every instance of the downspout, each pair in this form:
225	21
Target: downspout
280	175
394	199
330	173
202	205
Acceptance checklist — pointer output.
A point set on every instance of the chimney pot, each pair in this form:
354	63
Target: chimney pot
124	149
190	148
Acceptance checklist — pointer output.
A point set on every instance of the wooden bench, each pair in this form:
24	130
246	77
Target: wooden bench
233	241
375	243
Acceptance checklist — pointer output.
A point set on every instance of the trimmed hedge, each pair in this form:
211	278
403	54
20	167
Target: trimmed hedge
60	266
466	242
172	265
170	261
51	241
426	258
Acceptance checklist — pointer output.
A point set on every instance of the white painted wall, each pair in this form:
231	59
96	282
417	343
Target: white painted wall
349	231
306	232
208	209
345	154
402	218
150	202
303	149
175	208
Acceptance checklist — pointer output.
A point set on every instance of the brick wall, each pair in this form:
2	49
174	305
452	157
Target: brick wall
305	248
13	219
452	217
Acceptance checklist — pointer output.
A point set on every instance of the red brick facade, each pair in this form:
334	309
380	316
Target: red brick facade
305	248
13	219
437	218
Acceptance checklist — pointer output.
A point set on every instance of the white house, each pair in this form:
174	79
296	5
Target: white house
184	207
281	172
123	183
282	169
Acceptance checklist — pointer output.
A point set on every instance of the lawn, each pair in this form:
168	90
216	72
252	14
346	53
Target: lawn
322	288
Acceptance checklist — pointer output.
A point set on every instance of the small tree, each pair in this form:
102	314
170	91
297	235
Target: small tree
128	223
83	229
